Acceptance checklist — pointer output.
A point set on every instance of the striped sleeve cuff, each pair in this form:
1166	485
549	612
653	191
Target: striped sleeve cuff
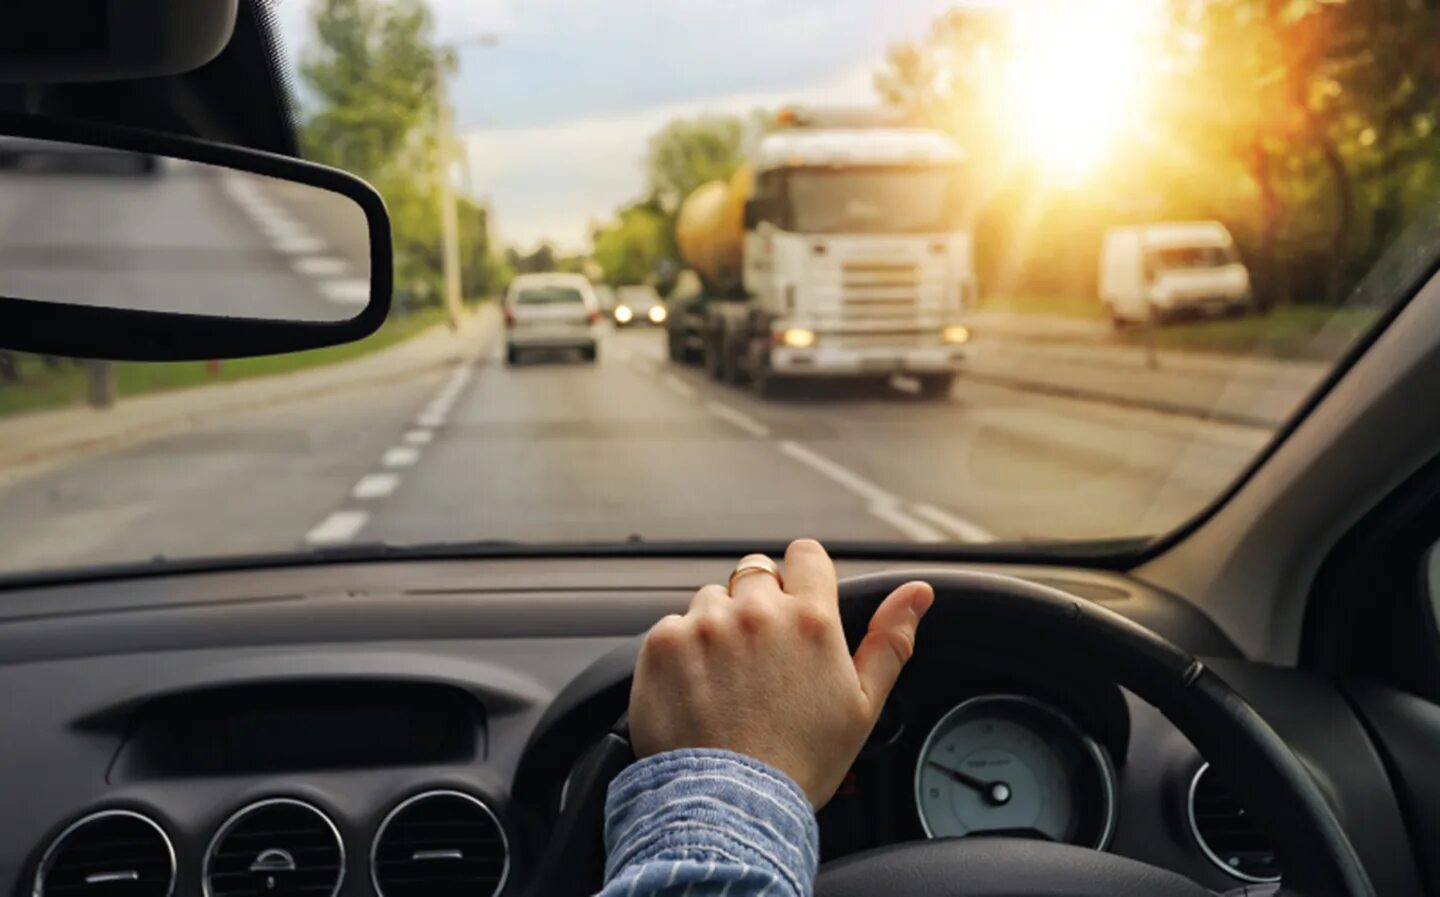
711	806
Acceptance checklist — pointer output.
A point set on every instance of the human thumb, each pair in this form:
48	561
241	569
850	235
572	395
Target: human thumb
890	641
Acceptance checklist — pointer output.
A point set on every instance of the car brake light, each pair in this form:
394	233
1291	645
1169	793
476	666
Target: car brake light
509	318
592	316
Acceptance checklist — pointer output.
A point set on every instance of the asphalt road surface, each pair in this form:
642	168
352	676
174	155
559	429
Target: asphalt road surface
631	446
185	238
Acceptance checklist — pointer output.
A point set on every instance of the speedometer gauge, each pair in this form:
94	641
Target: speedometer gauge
1012	765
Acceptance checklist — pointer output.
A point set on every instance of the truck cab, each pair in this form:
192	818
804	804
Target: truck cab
855	259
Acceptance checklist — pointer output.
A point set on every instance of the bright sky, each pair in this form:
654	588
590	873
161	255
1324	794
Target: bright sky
558	111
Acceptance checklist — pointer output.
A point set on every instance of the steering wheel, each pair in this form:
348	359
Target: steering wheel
1315	853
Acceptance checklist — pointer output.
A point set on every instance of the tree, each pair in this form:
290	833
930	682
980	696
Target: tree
688	152
636	247
373	72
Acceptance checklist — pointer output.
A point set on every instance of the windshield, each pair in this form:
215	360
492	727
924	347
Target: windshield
869	202
1181	257
638	298
955	340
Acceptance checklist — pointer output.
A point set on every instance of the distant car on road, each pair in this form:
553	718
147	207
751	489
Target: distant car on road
550	312
605	296
26	153
1167	269
638	304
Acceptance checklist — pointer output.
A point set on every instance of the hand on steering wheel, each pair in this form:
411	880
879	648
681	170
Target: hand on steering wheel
762	668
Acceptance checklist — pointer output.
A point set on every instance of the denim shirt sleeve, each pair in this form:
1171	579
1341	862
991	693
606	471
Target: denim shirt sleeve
708	822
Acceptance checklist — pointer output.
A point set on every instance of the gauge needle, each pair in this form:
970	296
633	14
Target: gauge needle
995	793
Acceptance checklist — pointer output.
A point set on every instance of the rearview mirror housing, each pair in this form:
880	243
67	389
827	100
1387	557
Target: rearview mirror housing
53	41
112	267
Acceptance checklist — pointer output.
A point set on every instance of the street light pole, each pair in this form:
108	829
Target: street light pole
449	214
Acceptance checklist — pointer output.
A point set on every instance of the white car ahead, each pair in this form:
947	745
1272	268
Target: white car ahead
550	312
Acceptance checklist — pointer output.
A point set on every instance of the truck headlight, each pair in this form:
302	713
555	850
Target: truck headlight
797	338
955	334
623	314
657	314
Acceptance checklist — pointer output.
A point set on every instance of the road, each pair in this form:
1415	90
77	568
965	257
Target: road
629	447
187	238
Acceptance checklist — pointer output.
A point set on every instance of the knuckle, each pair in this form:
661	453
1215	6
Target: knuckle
709	628
755	616
902	642
668	635
814	621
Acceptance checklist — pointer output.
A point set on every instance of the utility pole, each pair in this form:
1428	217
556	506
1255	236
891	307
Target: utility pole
449	214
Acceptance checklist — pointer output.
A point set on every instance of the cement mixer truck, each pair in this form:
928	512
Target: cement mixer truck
838	251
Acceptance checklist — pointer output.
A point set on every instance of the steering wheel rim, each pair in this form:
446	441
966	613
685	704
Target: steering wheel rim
1314	851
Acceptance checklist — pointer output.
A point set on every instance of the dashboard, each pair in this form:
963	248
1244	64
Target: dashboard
409	728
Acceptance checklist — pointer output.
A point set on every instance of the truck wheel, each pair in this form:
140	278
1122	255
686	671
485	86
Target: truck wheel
674	346
590	353
764	383
512	356
936	386
714	365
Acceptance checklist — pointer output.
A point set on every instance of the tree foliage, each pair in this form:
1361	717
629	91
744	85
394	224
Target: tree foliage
372	71
1308	126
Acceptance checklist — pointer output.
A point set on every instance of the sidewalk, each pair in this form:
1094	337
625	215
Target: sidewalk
1072	357
30	442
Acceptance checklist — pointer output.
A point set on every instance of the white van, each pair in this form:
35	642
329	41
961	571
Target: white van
1170	268
550	311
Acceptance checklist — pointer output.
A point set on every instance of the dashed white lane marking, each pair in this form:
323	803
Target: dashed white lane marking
916	530
676	385
419	437
882	504
952	523
341	526
298	245
430	420
346	291
375	485
739	418
401	456
319	265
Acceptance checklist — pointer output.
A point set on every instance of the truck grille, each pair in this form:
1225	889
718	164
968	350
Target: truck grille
879	289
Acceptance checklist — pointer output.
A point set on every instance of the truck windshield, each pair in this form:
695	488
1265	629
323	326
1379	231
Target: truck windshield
849	200
1180	257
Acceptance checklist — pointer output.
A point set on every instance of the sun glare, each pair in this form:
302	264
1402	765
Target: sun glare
1076	77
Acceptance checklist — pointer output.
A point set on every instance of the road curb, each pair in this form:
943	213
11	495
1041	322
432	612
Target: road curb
1160	406
26	462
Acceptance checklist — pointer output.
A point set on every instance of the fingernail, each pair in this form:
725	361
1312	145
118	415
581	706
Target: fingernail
923	601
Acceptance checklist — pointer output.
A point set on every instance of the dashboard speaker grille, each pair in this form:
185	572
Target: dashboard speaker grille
115	852
1226	833
278	846
440	844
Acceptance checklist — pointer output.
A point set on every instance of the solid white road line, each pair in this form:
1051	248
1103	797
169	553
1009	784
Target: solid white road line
953	524
881	504
346	291
341	526
676	385
401	456
375	485
739	418
419	437
319	265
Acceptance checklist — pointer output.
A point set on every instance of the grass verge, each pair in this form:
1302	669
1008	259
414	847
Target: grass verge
43	386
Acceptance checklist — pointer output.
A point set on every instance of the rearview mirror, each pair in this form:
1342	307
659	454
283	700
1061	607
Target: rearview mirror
135	246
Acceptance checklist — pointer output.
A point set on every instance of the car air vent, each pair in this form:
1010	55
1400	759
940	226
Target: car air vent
1226	833
115	852
440	844
277	846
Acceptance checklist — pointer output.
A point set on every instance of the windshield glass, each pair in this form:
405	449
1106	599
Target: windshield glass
638	298
907	292
1180	257
869	202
